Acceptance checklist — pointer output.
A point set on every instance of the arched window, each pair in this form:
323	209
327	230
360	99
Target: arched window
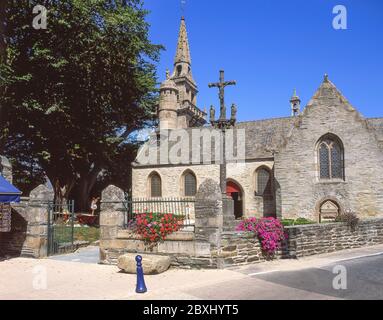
189	184
331	158
263	177
155	185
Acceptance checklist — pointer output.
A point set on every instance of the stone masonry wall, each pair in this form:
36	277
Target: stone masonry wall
242	174
243	248
211	246
29	228
299	190
324	238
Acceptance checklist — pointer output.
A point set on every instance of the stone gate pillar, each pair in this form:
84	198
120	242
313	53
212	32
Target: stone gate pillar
112	218
37	218
209	217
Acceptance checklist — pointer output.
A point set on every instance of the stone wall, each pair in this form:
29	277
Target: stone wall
29	229
303	241
243	174
187	249
300	191
324	238
211	245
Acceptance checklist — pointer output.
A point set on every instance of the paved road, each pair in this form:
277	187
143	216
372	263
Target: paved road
364	281
78	276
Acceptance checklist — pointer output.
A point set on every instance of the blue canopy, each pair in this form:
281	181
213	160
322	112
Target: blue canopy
8	192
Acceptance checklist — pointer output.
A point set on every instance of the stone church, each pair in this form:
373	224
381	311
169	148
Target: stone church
323	160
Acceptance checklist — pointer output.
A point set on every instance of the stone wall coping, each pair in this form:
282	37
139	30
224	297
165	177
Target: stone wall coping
333	224
178	236
238	234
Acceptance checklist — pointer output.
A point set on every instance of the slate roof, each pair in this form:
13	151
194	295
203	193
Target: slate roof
262	137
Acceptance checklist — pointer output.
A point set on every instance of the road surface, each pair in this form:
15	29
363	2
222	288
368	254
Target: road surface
78	276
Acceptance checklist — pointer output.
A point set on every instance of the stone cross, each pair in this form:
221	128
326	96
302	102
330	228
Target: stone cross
221	86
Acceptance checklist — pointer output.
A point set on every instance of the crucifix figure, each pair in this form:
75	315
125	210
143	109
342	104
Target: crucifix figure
221	87
223	124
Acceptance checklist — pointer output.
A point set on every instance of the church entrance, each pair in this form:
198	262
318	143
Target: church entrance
234	191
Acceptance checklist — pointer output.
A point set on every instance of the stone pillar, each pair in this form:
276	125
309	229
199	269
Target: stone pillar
37	218
229	222
209	218
112	217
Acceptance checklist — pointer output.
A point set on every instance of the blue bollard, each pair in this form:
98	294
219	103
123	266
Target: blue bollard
141	287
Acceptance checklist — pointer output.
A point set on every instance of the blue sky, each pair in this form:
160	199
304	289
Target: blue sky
272	47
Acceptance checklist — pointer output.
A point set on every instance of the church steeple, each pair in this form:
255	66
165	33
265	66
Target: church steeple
182	60
183	49
178	104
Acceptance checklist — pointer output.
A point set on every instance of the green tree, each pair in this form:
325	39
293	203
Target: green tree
77	90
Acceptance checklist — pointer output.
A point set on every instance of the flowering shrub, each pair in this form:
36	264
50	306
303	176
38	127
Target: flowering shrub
155	227
269	231
247	225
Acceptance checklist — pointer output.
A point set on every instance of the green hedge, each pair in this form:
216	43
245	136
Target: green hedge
297	222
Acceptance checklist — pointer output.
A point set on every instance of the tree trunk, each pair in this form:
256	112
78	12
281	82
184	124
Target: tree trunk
62	192
85	187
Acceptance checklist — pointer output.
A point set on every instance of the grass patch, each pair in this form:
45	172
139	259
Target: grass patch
297	222
63	234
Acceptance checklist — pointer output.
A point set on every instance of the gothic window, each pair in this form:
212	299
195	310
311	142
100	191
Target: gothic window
190	184
263	182
331	161
324	160
155	185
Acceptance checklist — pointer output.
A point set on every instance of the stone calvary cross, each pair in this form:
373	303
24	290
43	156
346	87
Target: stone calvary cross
221	87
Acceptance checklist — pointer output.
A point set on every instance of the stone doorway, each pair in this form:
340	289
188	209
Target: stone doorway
234	191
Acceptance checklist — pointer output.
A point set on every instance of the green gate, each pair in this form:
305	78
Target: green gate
61	219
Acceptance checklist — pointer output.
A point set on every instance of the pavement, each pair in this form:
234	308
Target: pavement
78	277
83	255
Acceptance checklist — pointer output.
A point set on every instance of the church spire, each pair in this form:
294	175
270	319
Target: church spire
183	50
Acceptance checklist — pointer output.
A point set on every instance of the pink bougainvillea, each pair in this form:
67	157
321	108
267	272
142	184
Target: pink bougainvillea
269	231
247	225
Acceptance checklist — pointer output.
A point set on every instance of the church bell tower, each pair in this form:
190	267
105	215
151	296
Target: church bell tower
178	103
295	103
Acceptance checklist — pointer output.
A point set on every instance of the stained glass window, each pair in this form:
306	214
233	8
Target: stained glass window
190	184
331	159
155	186
263	182
336	162
324	161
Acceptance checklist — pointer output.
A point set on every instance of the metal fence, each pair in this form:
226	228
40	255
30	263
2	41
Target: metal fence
183	208
61	220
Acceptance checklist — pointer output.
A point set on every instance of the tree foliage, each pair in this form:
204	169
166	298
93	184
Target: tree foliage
77	90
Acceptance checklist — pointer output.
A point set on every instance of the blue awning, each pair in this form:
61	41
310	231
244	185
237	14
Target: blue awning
8	192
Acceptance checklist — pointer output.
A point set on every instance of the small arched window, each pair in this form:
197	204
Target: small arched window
190	184
263	177
155	185
331	158
179	70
